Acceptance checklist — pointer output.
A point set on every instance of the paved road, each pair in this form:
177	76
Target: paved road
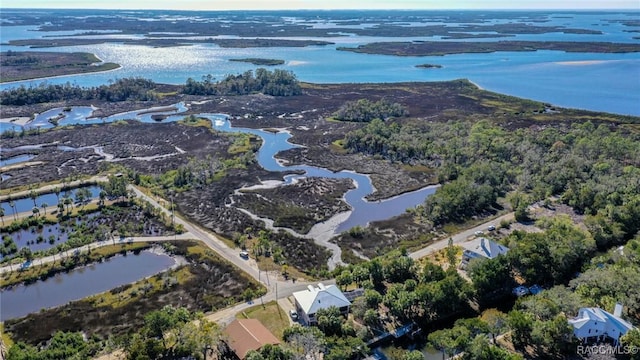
95	245
192	232
459	237
270	280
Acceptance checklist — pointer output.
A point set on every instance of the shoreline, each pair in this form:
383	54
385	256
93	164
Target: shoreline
16	120
476	85
156	250
44	78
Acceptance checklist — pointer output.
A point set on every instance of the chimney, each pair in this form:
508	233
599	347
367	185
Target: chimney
618	310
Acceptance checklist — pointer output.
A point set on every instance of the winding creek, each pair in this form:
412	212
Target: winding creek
362	211
21	300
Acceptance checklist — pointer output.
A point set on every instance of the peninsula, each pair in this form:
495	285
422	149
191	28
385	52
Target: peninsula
15	66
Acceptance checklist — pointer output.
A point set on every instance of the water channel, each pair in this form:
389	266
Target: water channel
5	161
81	282
362	212
50	199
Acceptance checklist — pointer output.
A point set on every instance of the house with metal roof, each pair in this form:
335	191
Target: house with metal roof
597	324
309	301
481	248
244	335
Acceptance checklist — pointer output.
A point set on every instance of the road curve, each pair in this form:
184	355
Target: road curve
459	237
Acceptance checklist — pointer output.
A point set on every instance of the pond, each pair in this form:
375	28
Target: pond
81	282
49	235
51	199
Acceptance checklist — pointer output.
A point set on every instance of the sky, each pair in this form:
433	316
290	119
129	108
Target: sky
322	4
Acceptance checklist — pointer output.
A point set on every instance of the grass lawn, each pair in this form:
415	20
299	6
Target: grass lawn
6	339
271	316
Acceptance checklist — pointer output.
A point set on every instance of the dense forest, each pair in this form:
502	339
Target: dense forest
364	110
594	169
127	89
275	83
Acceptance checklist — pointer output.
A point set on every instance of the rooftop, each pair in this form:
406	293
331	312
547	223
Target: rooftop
485	247
248	334
321	297
597	314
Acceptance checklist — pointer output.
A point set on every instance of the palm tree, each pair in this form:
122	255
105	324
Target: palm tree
68	202
103	196
44	208
36	211
2	215
83	195
33	196
13	206
80	197
60	208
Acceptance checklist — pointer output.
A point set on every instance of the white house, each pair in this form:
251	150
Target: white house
599	324
309	301
481	248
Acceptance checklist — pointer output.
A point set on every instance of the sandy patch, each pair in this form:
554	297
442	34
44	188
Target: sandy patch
21	120
266	184
296	62
199	102
476	85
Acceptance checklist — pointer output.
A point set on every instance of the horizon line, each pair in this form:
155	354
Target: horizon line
330	9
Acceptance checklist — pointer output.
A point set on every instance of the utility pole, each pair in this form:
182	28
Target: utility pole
173	221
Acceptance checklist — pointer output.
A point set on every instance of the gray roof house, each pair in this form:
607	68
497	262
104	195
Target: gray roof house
481	248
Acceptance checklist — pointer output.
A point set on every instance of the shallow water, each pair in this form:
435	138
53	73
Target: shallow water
4	161
610	84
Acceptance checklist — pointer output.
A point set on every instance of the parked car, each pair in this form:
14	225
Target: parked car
520	291
478	233
293	314
535	289
491	228
244	254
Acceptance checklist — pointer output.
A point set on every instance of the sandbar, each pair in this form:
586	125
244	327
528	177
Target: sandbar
16	120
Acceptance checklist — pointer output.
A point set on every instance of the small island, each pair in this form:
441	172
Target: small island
18	65
260	61
429	66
